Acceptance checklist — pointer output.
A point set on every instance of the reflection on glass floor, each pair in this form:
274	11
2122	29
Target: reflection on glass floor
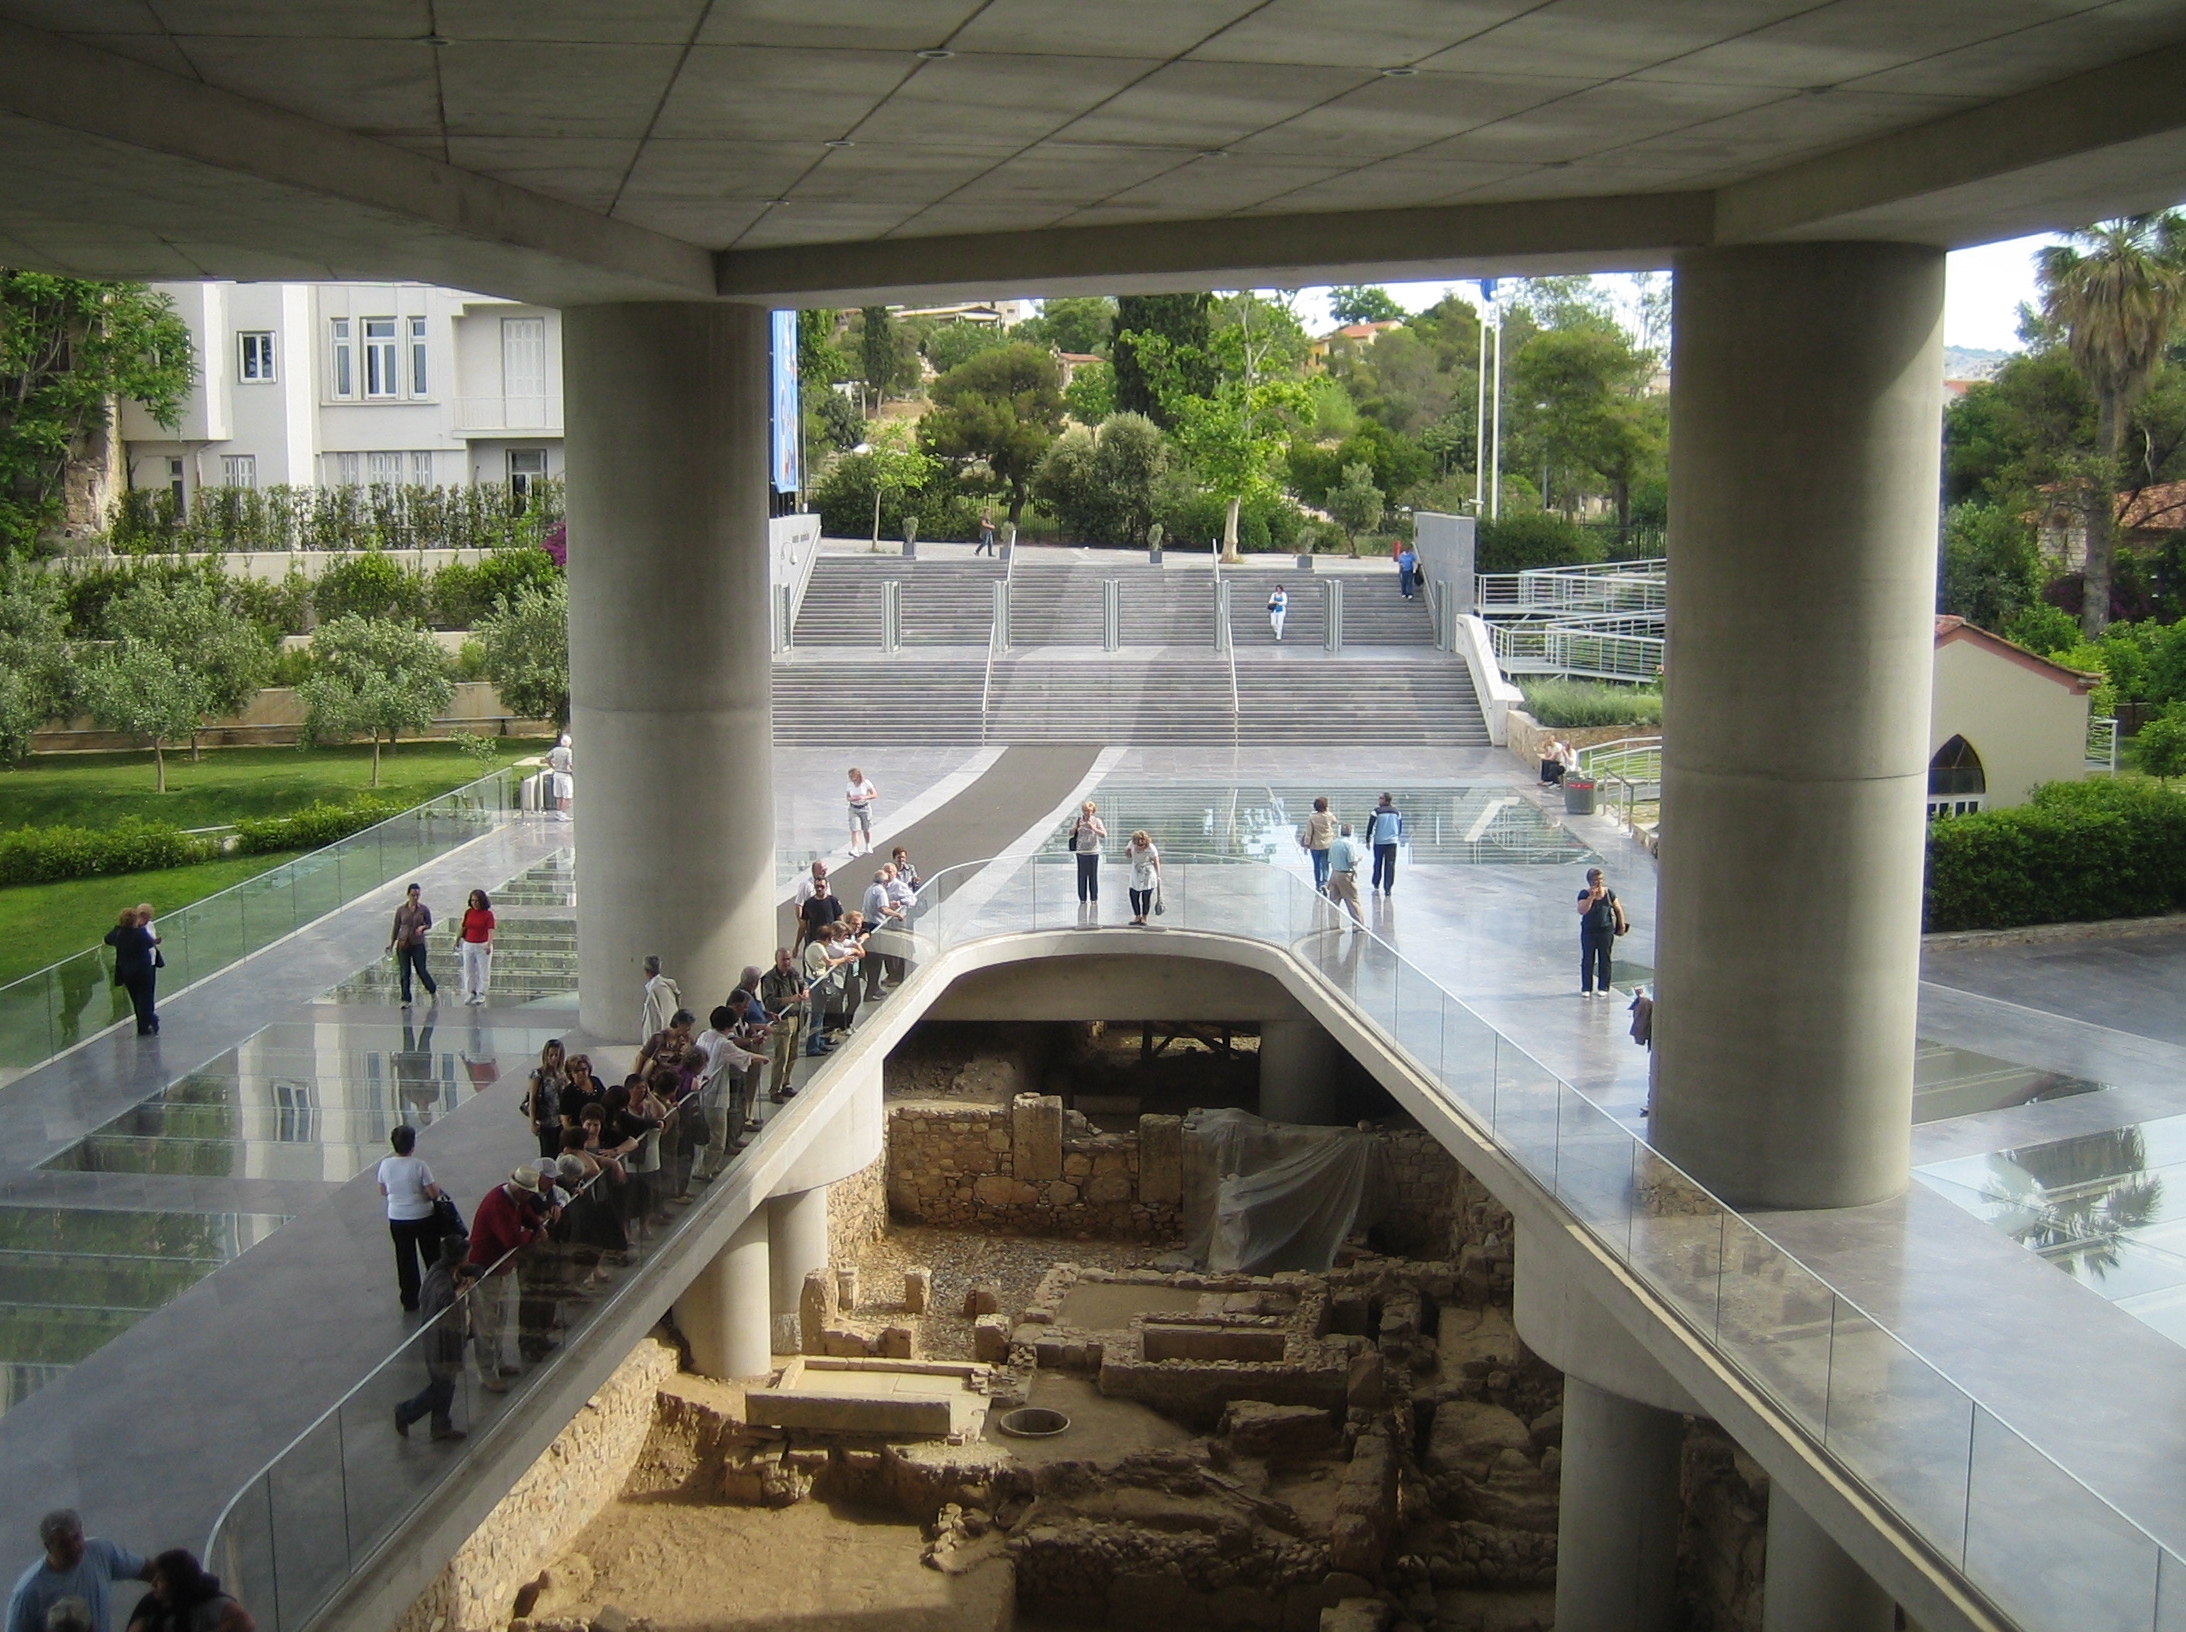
1488	824
534	944
74	1278
1950	1082
2108	1208
305	1100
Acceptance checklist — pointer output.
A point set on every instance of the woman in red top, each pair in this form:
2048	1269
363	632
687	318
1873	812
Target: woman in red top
474	943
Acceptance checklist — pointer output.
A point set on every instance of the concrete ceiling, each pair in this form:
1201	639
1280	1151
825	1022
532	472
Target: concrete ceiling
777	149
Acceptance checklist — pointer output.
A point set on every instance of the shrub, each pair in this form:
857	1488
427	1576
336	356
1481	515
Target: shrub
1572	703
1534	538
371	585
462	595
483	516
2079	851
311	827
42	855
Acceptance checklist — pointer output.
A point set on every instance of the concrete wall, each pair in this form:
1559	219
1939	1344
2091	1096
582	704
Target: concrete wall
1444	545
1113	987
2026	727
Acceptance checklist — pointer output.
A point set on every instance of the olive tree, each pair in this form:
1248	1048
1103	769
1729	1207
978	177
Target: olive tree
373	675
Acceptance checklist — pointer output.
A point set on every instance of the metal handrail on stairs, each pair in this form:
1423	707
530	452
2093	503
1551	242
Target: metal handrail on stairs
998	633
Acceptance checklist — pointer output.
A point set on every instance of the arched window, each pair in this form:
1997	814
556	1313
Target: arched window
1955	780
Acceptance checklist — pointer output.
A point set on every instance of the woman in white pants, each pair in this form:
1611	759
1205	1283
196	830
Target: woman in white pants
474	945
1278	609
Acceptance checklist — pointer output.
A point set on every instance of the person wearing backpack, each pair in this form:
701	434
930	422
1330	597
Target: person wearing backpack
1601	921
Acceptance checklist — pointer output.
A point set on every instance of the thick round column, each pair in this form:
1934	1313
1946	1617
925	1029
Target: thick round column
668	649
1795	728
1298	1072
1811	1584
1616	1533
796	1245
723	1312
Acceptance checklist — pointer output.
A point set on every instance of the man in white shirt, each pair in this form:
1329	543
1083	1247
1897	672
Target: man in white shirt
662	998
881	912
724	1060
861	794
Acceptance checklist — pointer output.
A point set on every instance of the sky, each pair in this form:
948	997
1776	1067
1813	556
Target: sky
1980	312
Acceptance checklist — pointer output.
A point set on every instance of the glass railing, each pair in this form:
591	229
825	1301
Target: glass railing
2042	1547
299	1531
46	1013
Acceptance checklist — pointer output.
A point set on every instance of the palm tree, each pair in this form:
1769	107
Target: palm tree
2118	288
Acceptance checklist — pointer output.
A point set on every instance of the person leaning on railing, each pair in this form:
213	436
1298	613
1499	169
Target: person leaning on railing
508	1217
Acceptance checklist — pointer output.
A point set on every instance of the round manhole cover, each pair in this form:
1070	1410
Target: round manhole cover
1034	1422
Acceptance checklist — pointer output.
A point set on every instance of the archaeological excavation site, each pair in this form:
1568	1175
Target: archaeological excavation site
1128	1325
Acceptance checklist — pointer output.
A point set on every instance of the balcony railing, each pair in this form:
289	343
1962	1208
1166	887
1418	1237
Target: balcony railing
537	414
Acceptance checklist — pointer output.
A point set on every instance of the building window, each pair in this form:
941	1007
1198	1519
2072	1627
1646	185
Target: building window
239	469
385	469
175	486
418	374
527	468
1956	782
523	357
380	376
256	362
343	361
421	468
346	469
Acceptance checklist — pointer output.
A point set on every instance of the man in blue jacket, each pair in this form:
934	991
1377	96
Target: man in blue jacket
1384	832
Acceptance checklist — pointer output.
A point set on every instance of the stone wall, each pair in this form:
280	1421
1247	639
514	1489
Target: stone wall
857	1210
563	1491
1722	1543
1032	1168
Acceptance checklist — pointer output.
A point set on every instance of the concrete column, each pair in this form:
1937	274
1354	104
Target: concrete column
1299	1063
1795	732
723	1312
1616	1536
668	648
1811	1584
796	1243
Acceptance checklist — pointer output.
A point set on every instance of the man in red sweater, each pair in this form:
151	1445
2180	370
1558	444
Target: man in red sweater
510	1216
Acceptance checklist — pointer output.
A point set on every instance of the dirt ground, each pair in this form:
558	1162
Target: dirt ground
959	1260
813	1567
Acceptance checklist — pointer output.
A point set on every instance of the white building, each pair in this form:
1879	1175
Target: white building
345	383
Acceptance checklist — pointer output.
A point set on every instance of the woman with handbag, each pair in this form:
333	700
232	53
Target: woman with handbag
1601	921
413	1211
1145	864
543	1099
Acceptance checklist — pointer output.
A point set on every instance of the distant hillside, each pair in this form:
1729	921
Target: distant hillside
1965	363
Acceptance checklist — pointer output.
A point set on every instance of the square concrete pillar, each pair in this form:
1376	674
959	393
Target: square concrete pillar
1036	1137
1161	1160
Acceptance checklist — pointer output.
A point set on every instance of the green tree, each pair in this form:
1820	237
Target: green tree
35	668
1003	409
895	468
1179	330
372	584
2117	289
526	645
821	359
224	657
956	342
888	357
1356	504
1103	485
1080	324
1575	390
1091	394
2161	746
2043	628
68	348
1991	569
141	691
832	420
374	675
1363	303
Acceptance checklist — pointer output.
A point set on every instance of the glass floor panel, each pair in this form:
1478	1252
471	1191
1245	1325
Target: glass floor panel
1950	1082
74	1278
1484	824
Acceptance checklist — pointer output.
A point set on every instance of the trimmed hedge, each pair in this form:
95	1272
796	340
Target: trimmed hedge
2080	851
47	855
312	827
43	855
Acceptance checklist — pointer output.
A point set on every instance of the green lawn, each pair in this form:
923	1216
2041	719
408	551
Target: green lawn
96	790
43	923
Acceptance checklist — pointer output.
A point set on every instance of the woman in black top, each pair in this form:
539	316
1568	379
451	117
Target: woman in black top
134	972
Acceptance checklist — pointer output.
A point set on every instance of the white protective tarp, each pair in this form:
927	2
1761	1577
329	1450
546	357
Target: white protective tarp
1276	1195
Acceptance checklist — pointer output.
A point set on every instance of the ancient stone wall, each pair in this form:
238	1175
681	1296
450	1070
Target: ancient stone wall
1723	1534
1030	1167
562	1492
857	1210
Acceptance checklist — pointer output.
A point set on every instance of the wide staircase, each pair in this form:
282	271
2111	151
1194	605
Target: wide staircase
1166	685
